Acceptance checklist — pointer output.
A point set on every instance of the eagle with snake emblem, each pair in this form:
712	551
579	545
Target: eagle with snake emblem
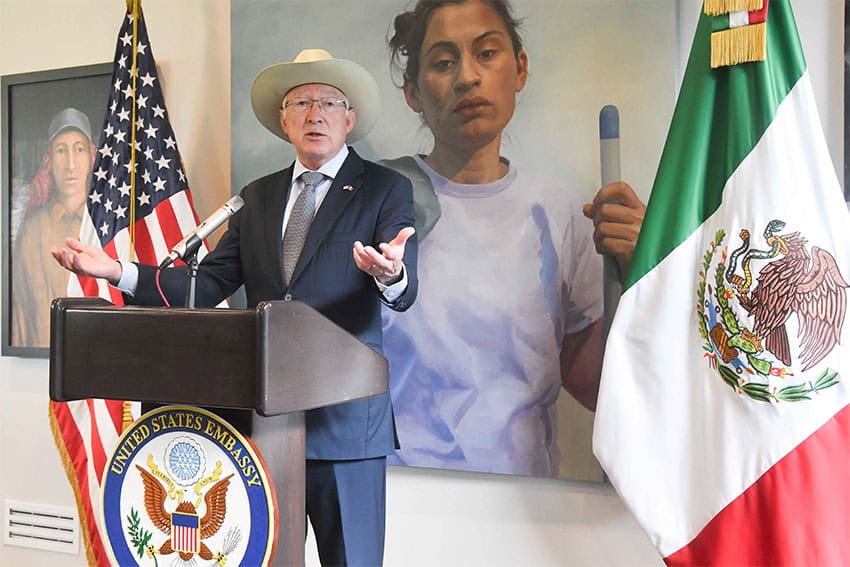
794	281
216	508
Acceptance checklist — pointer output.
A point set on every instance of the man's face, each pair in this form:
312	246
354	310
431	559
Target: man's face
317	135
70	158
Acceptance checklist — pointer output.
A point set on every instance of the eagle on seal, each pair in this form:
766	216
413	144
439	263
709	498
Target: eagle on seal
214	500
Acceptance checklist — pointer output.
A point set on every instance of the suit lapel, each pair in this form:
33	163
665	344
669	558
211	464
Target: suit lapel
349	176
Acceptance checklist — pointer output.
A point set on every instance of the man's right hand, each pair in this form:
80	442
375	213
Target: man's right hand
86	260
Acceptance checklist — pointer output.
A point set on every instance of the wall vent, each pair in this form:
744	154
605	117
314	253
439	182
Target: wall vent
50	528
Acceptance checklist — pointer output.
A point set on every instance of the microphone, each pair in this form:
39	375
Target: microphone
192	241
609	159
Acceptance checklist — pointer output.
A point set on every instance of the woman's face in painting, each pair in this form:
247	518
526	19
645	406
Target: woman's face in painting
468	76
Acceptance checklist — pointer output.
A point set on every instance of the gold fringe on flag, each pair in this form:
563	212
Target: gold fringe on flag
127	418
739	45
719	7
59	441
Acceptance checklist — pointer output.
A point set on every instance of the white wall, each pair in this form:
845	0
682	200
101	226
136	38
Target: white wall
435	518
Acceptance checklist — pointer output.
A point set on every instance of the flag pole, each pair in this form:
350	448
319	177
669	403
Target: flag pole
135	6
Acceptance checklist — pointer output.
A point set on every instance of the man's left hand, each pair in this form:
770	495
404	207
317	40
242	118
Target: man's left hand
386	265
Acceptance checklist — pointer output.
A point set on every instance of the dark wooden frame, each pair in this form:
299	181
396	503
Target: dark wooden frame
27	103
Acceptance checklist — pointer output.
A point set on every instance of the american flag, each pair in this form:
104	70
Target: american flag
132	217
185	532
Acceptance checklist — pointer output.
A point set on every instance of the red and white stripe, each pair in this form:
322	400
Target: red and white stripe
90	429
745	18
184	538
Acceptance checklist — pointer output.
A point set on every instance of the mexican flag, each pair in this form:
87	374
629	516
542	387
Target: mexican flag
723	417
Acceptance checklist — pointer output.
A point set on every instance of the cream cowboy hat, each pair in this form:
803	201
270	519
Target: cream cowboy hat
316	66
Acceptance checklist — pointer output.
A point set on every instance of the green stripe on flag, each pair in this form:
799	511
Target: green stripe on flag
720	116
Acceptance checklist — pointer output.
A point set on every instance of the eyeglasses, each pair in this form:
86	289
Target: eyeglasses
327	105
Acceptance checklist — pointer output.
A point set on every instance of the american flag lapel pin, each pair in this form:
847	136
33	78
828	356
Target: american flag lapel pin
347	188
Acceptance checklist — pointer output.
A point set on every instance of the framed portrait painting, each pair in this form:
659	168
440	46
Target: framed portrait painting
506	275
50	130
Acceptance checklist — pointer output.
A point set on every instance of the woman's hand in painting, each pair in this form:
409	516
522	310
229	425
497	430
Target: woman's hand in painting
617	214
386	265
85	260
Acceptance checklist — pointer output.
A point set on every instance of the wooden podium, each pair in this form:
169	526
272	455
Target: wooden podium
278	361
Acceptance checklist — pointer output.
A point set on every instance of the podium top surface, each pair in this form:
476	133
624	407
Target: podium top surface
281	357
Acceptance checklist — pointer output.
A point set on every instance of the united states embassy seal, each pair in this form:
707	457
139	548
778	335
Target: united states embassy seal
183	487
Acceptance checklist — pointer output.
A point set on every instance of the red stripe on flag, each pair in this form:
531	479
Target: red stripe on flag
168	225
89	286
795	514
143	245
98	455
115	296
116	413
759	16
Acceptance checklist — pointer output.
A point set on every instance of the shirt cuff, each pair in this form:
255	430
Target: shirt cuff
393	291
129	278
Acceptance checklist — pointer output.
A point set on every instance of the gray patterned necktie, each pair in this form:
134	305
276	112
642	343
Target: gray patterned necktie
299	222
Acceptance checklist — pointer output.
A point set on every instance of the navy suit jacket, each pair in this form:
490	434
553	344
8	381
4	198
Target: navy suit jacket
366	202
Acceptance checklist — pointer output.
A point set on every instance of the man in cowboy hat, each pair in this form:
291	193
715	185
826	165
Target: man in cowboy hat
347	250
